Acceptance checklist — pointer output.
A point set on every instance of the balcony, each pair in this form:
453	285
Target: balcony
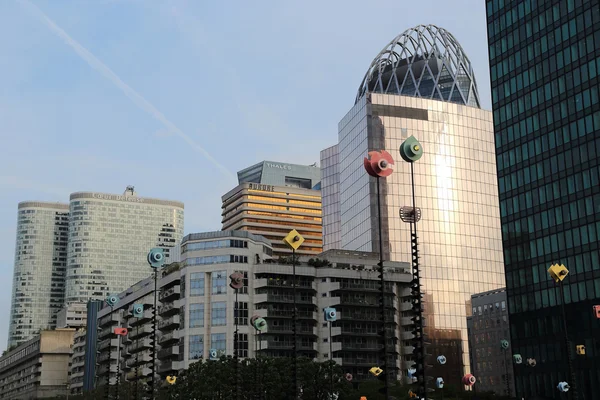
405	306
406	336
139	345
284	283
168	352
167	309
168	338
169	294
106	332
169	365
146	316
286	345
141	358
112	317
107	343
169	323
103	357
103	369
280	298
287	329
370	347
310	315
139	332
140	373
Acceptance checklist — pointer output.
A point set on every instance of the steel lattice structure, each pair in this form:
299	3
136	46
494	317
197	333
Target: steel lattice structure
425	61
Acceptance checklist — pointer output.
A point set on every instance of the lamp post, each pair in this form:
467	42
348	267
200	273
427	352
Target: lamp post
380	165
156	259
559	273
411	151
294	240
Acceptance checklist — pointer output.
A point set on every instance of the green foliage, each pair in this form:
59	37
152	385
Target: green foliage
271	378
318	263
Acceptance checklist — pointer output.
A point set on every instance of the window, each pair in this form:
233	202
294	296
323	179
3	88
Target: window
244	289
242	313
197	284
503	305
197	315
218	342
219	282
243	344
196	347
219	313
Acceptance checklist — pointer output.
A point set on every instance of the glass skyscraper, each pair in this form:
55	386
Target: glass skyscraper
39	272
422	84
544	60
109	239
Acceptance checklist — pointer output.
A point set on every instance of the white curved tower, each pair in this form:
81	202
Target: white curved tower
39	271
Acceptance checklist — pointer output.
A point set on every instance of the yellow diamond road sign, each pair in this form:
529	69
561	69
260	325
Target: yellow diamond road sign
293	239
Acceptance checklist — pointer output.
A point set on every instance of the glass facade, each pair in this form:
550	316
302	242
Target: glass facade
331	198
109	240
456	189
544	63
39	271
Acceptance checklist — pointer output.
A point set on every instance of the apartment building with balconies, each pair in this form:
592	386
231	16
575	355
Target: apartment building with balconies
196	309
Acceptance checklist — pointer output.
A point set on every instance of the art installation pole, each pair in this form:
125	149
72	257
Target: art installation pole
559	273
156	259
411	151
380	165
330	359
154	312
236	283
294	324
294	240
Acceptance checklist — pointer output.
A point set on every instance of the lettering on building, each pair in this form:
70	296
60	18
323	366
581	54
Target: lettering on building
133	199
266	188
280	166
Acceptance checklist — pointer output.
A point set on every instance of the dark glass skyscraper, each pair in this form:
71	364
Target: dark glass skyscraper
545	60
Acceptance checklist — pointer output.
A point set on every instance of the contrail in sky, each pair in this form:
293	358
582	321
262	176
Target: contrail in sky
134	96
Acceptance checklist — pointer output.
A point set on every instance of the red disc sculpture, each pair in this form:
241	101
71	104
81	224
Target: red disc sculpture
379	164
469	380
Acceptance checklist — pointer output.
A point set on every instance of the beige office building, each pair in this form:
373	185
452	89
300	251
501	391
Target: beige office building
38	368
272	211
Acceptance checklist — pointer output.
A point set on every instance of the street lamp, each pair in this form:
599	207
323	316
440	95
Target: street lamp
294	240
559	273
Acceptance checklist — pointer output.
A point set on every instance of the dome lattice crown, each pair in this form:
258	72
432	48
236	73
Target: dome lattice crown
425	61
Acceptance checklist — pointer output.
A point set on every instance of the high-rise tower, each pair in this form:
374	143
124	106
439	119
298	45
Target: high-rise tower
109	238
422	84
273	198
545	67
39	272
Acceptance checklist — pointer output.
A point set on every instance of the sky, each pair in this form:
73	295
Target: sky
175	96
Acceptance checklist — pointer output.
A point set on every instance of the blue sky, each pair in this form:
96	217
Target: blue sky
175	96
